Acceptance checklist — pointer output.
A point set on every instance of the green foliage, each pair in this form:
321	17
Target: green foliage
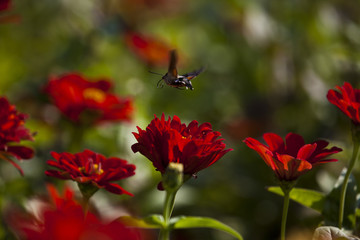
331	205
181	222
309	198
202	222
151	222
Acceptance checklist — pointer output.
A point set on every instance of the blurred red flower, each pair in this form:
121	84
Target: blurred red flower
92	168
5	5
292	158
196	147
64	218
348	100
12	130
148	49
87	102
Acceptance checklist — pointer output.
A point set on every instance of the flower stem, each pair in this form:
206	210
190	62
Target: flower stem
85	205
168	208
346	180
285	212
76	138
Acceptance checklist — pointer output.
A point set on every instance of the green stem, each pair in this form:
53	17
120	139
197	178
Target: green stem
284	214
76	138
168	208
346	180
85	205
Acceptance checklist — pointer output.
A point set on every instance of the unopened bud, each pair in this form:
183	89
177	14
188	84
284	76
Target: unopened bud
173	176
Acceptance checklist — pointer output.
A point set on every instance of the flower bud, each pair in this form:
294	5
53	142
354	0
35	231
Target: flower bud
173	176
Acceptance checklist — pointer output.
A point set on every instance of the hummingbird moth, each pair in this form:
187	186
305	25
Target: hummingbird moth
172	78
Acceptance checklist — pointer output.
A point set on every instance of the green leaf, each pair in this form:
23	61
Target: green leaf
332	202
152	221
202	222
309	198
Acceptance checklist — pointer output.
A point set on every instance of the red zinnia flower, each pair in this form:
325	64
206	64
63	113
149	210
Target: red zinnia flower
64	218
12	131
196	147
88	101
348	100
292	158
150	50
91	168
4	5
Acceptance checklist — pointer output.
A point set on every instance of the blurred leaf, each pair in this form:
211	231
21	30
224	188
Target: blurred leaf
332	201
202	222
309	198
150	222
330	233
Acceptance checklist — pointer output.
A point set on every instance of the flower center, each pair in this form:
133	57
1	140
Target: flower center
94	169
94	94
187	137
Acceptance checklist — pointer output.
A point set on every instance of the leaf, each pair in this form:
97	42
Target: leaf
202	222
309	198
330	233
332	202
151	222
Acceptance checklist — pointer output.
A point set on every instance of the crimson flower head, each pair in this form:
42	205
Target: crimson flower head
150	50
347	100
84	101
165	141
91	169
292	158
64	218
5	5
12	131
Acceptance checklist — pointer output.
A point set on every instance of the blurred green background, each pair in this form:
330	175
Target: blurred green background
269	65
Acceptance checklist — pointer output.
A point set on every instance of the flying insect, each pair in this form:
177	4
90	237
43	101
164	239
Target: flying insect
173	79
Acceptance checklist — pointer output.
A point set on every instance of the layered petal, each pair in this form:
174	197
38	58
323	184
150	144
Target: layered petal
292	158
195	146
12	132
90	167
347	99
88	102
63	218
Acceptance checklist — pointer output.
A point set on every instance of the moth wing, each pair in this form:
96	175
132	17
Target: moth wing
193	74
172	71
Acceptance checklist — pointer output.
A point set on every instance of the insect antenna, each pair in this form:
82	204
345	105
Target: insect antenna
155	73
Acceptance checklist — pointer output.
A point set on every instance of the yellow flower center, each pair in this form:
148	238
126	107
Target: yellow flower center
95	94
188	137
96	169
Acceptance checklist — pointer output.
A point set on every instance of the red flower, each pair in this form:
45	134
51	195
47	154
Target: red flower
64	218
196	147
87	101
150	50
348	100
292	158
91	168
12	131
5	5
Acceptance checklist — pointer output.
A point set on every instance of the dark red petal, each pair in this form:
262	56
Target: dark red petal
21	152
115	188
306	151
275	142
57	174
293	143
262	150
